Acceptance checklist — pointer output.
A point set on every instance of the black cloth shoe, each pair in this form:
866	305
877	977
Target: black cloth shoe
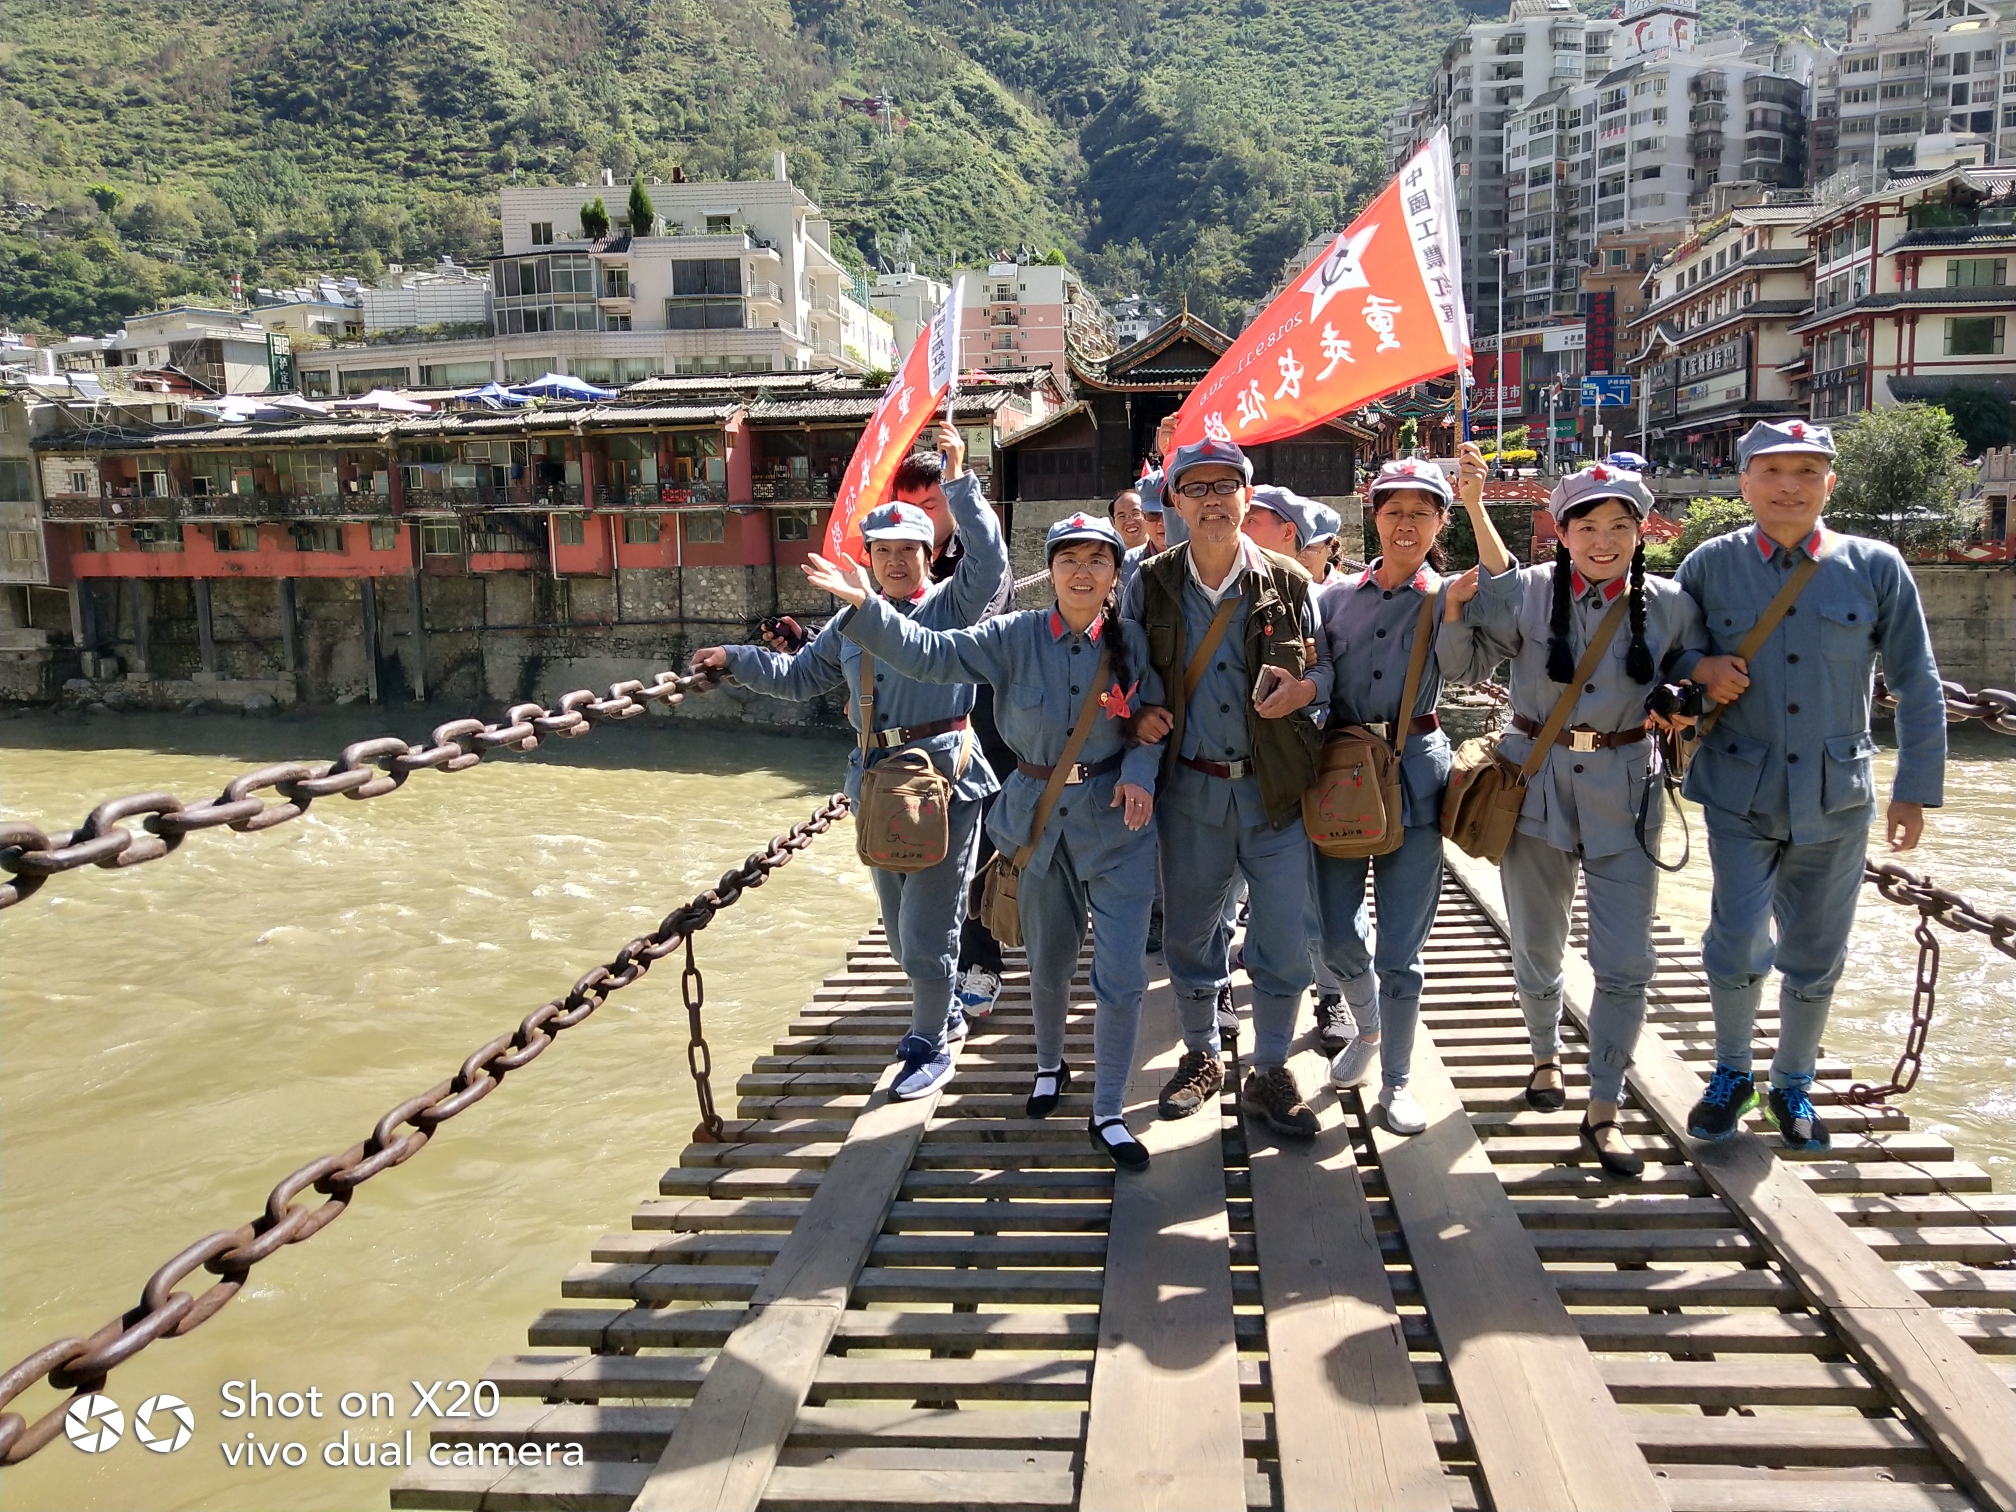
1273	1097
1547	1099
1041	1103
1228	1019
1605	1141
1155	931
1336	1026
1199	1077
1126	1152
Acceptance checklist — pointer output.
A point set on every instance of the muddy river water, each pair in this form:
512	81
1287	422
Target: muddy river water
176	1037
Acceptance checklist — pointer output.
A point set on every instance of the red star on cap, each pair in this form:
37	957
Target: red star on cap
1600	473
1798	431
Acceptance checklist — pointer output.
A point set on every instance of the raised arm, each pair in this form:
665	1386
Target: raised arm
923	655
813	670
1470	489
1485	631
984	561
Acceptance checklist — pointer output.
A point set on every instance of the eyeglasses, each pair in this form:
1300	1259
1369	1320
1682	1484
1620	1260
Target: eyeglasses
1224	487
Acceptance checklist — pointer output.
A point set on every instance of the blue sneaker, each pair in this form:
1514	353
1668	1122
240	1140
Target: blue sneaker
955	1025
1798	1125
978	990
925	1068
1720	1112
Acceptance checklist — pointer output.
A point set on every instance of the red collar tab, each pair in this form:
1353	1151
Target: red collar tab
1611	589
1420	583
1768	548
1058	629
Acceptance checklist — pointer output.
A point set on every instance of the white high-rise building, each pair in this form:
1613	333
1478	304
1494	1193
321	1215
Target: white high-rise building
1909	71
1564	127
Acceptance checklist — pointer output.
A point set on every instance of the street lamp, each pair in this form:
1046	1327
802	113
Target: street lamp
1501	253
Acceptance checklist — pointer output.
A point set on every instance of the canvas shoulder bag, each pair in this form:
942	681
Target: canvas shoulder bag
1480	807
1356	806
1776	610
903	822
1000	900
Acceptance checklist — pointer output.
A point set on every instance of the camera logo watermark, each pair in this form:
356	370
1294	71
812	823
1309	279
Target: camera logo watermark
94	1423
164	1423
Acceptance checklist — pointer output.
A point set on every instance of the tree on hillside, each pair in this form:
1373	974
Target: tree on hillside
1983	417
1902	471
643	214
595	219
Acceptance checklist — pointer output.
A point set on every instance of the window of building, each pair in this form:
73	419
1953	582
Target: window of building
1899	91
1974	335
1976	272
454	374
570	530
718	225
1863	94
709	527
364	380
615	281
315	383
169	537
101	537
384	535
706	295
612	322
525	369
1900	125
1859	65
1865	231
641	529
542	233
794	525
318	536
440	538
16	479
237	537
550	293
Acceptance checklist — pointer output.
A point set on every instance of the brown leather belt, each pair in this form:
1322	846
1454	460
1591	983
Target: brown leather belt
1084	771
884	739
1421	724
1581	740
1218	768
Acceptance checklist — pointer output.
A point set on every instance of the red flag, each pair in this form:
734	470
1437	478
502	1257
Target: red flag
930	373
1380	309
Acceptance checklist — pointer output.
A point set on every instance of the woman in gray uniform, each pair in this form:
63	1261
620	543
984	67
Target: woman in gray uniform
1097	853
1370	620
1595	805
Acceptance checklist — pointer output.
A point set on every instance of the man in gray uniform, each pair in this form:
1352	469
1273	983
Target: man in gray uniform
1785	776
1232	635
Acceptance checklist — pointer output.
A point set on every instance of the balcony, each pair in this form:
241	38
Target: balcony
763	291
792	490
519	495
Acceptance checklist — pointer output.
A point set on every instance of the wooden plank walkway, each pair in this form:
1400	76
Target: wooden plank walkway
859	1304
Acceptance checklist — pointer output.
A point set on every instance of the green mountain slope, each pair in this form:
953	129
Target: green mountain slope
1183	147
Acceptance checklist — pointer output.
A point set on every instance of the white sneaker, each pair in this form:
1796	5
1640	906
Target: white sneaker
1353	1061
1403	1114
978	988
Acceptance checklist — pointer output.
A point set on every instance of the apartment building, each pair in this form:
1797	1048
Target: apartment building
908	299
733	276
1715	347
223	351
1024	315
1912	291
1485	78
1912	70
1566	129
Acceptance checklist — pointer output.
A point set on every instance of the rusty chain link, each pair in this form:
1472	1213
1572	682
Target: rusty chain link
364	769
1956	913
80	1365
1994	707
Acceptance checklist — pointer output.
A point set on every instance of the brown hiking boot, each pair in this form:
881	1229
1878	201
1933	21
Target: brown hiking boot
1199	1075
1272	1097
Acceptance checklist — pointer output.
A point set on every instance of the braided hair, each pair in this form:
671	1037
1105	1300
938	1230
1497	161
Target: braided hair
1112	637
1560	654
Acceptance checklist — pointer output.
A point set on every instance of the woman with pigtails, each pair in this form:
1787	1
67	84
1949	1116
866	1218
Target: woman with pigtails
1595	805
1096	853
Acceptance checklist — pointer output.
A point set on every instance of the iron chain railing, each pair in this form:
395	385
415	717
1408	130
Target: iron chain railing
1956	913
1994	707
102	840
80	1365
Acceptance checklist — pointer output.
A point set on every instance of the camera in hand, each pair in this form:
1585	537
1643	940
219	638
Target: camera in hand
1687	700
786	630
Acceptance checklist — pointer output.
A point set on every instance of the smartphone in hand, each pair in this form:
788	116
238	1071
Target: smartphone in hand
1269	679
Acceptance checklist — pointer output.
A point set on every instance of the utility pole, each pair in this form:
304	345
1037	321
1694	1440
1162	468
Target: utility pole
1553	399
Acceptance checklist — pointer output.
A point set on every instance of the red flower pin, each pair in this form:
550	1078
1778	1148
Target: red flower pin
1115	702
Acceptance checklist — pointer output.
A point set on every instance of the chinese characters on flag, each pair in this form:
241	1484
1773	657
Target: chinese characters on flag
1380	309
929	375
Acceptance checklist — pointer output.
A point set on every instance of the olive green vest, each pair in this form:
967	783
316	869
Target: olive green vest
1285	751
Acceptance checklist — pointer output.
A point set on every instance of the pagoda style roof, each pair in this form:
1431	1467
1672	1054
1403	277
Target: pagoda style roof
1172	358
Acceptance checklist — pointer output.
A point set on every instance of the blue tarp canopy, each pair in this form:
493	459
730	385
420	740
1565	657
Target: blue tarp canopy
494	396
560	386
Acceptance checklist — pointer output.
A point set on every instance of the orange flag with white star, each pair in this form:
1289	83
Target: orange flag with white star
1380	309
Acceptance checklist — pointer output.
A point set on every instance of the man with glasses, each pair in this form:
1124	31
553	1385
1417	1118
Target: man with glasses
1231	633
